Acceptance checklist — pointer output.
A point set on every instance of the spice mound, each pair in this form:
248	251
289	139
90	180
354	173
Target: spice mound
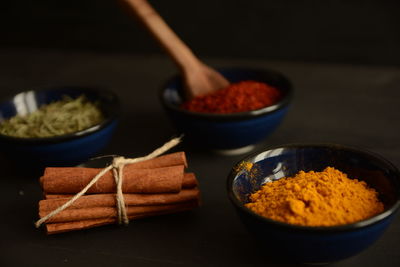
237	97
324	198
57	118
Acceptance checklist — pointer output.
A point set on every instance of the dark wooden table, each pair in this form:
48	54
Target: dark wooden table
345	104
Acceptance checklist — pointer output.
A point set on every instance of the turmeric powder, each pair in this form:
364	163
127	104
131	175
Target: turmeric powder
311	198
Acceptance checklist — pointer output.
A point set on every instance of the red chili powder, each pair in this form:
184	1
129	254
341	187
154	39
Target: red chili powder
237	97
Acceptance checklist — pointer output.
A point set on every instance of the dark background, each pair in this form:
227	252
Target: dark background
341	56
348	31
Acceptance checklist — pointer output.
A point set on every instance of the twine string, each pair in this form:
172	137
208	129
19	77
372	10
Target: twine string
118	175
118	203
117	167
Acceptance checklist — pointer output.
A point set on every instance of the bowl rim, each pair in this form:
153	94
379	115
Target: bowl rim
70	136
282	103
316	229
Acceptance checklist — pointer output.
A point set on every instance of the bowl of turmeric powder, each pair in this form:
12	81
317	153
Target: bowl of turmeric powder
234	119
57	126
315	203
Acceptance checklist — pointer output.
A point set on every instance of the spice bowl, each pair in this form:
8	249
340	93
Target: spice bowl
232	133
59	150
314	244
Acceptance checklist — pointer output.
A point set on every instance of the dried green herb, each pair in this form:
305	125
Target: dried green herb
61	117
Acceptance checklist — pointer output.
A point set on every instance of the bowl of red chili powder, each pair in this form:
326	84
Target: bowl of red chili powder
232	119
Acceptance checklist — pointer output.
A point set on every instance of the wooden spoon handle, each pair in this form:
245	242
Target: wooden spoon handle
166	37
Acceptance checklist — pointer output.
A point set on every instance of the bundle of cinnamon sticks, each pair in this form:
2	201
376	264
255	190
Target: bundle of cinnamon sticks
152	187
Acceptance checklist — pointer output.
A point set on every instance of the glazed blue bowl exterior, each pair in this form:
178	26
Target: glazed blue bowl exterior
70	149
228	131
315	244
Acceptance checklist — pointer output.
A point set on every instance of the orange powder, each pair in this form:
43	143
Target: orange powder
324	198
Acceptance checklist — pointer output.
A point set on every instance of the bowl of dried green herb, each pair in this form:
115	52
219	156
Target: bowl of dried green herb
57	126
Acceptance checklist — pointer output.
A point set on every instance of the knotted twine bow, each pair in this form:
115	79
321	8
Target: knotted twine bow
117	167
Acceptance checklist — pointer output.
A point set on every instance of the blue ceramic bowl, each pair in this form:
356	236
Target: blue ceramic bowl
227	131
70	149
316	244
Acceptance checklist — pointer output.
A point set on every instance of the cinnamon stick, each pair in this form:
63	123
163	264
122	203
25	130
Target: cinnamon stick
109	200
152	187
172	159
69	215
189	181
70	180
56	228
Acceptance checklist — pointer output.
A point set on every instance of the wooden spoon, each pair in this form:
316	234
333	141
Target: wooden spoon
199	79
